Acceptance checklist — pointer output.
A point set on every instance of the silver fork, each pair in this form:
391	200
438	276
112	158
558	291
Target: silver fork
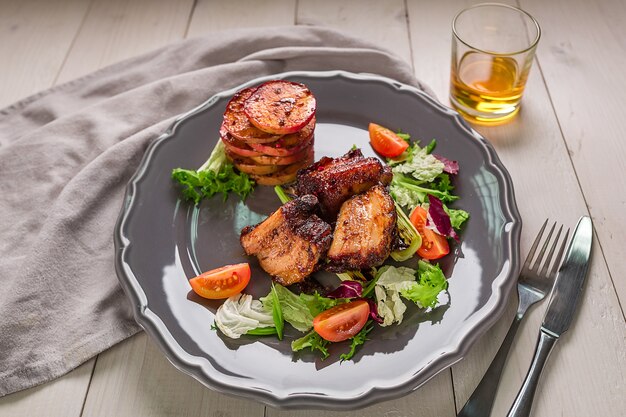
534	283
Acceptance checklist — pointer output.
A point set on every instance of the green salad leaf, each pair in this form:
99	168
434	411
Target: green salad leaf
263	331
357	340
298	310
420	165
316	303
390	281
277	313
294	309
457	216
431	282
422	286
215	176
410	193
311	340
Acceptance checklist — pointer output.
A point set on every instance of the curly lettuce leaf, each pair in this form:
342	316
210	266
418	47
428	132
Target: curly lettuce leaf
431	282
420	165
215	176
457	216
422	286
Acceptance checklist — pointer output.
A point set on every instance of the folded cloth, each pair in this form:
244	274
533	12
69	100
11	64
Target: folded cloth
66	155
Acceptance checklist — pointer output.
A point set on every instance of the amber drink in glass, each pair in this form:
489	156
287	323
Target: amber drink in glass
493	47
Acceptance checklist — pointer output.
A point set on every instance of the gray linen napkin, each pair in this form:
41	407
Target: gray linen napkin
65	157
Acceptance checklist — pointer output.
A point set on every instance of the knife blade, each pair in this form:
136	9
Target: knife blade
569	281
560	312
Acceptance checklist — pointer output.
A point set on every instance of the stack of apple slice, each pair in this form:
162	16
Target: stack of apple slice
268	131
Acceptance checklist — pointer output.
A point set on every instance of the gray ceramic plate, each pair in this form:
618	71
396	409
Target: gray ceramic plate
161	242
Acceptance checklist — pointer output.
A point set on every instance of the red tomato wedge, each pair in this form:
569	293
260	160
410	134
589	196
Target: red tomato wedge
342	321
222	282
434	246
385	142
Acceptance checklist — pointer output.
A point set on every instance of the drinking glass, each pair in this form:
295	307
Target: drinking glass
493	46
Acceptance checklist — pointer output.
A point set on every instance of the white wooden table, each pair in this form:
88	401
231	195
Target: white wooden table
565	152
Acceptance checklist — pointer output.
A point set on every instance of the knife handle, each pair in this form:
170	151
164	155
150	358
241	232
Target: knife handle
524	401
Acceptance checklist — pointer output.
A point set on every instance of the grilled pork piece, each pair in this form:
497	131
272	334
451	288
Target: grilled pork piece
334	180
290	242
364	232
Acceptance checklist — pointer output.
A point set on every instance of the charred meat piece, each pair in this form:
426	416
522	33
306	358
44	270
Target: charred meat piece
334	180
290	242
364	232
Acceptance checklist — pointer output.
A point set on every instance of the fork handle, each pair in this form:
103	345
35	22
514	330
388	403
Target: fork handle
481	401
524	401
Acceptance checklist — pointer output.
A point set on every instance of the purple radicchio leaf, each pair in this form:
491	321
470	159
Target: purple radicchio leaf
438	219
373	311
449	166
347	289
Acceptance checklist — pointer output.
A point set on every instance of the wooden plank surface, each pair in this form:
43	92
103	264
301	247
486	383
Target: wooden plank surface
381	22
589	102
135	379
214	15
552	150
533	150
35	37
117	29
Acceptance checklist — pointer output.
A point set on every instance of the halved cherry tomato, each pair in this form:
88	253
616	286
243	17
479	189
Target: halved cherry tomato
385	142
342	321
222	282
434	246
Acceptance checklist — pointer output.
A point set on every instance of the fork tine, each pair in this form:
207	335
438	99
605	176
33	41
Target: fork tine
546	264
559	257
543	249
531	253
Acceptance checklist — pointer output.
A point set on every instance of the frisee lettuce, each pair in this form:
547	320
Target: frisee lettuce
357	340
311	340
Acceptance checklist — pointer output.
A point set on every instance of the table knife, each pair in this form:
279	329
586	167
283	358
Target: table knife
563	301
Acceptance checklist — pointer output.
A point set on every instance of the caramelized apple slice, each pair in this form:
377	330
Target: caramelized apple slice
280	107
237	124
286	175
283	160
279	149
